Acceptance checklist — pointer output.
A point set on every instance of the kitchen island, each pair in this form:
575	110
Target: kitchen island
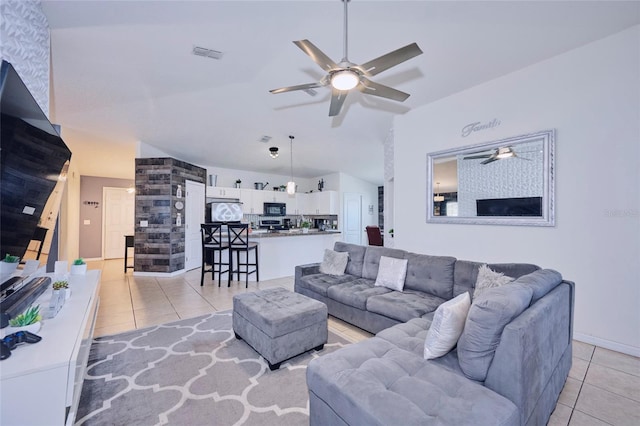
281	251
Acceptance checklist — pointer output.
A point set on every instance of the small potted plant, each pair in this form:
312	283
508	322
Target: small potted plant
62	286
9	264
29	320
78	267
305	227
391	232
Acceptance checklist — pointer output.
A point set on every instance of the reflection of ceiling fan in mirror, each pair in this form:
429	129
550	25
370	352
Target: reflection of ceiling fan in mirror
345	75
496	154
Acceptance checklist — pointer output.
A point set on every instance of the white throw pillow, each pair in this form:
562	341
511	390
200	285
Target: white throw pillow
334	262
488	278
391	273
447	326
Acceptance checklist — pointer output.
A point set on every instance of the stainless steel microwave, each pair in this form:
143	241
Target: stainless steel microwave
275	209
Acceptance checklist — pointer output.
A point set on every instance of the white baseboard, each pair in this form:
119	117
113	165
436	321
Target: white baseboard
608	344
159	274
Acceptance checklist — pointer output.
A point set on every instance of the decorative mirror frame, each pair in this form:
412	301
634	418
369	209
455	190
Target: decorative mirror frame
547	137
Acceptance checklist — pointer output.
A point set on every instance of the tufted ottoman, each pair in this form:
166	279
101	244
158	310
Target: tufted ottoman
279	324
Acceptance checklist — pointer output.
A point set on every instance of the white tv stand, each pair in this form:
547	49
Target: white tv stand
41	382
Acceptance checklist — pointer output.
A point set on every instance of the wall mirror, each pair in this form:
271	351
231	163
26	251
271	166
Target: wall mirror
504	182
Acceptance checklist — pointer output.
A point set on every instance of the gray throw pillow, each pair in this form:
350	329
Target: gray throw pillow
487	278
334	262
391	273
488	316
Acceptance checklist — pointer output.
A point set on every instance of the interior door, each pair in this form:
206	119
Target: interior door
194	216
353	218
119	218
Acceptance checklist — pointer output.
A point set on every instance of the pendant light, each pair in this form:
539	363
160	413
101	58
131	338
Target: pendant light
291	185
273	152
438	198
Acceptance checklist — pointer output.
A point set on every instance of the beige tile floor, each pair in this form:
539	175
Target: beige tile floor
603	387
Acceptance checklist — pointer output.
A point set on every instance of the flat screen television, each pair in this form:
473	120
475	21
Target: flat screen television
33	162
521	206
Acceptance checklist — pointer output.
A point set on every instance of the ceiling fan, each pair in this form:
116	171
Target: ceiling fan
496	154
345	75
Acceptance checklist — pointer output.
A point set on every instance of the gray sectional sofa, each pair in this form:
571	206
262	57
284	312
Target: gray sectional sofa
513	377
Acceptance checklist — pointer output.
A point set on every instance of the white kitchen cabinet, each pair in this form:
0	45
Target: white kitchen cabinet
325	202
299	204
222	192
252	201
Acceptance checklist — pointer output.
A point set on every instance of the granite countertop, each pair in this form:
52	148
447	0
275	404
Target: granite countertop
292	233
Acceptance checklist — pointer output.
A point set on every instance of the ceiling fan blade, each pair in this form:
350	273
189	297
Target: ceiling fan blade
474	157
391	59
298	87
490	160
376	89
337	99
316	54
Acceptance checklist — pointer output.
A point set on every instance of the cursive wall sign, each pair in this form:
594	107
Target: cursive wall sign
477	126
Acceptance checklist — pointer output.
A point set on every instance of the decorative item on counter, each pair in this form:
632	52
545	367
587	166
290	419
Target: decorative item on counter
29	320
320	184
62	285
283	188
305	227
9	264
58	297
78	267
179	192
391	232
179	220
238	182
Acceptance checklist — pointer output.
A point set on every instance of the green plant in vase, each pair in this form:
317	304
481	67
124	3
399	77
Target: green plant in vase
28	317
78	267
9	264
305	226
59	285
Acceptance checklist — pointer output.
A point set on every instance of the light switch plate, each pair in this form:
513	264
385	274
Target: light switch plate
87	222
144	223
28	210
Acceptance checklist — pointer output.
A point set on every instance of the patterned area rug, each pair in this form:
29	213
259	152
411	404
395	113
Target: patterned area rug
192	372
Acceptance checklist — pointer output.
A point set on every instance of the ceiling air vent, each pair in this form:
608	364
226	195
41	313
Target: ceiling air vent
265	139
208	53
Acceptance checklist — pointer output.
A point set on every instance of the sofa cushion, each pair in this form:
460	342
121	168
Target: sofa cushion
391	273
372	259
319	283
489	314
375	383
446	328
488	278
466	273
356	292
541	282
403	306
430	274
334	262
356	257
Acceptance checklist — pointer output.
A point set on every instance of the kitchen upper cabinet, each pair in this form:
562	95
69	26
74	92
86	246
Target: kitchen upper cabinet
252	201
221	192
325	202
298	204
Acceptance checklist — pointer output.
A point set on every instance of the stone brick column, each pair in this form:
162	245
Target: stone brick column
159	247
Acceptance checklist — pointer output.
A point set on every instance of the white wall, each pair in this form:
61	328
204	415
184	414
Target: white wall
591	97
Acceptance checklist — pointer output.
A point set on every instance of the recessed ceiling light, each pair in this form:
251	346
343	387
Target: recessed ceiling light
207	53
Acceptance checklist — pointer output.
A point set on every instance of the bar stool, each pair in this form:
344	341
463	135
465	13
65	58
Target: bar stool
128	242
212	243
239	242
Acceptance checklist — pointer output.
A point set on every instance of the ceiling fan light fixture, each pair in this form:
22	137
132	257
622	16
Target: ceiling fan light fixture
344	80
273	152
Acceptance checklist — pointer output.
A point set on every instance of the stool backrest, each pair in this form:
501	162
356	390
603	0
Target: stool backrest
212	234
238	235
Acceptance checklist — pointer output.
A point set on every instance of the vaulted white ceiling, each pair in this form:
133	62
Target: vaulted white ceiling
122	71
